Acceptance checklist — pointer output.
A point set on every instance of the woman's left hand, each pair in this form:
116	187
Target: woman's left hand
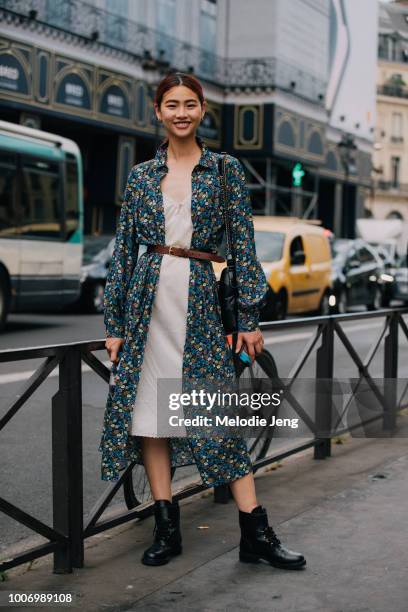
253	343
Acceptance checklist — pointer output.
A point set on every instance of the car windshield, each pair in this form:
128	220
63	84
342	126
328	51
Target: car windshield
93	245
385	247
269	245
339	249
402	261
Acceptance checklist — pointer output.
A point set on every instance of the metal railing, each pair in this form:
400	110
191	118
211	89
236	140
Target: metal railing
68	533
121	33
395	91
399	188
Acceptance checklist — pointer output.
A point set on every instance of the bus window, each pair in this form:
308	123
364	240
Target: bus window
8	204
71	199
40	199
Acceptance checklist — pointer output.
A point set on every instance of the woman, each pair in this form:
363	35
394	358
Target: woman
171	200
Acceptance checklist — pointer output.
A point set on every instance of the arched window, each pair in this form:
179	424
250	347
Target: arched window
286	135
315	144
395	214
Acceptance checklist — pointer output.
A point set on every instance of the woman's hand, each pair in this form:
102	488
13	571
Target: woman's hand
113	346
253	342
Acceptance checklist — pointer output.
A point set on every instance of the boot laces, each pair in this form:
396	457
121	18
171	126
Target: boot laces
271	535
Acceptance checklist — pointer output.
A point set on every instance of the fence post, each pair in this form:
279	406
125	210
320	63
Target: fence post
67	492
323	409
391	373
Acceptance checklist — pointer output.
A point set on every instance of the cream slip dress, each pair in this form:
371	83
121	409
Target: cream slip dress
163	356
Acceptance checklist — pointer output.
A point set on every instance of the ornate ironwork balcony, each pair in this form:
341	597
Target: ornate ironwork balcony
395	91
120	33
400	189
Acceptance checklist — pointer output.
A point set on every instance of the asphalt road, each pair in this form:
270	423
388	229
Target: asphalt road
25	443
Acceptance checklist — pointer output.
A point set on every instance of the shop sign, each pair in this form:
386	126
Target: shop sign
115	102
73	91
12	75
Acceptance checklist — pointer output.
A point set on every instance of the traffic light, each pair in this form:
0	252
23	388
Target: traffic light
297	175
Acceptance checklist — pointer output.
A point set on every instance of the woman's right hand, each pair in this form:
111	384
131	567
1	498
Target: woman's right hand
113	346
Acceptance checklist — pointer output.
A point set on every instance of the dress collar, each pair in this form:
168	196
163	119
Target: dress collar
206	159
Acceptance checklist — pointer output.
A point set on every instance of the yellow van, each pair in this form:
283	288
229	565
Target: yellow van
295	256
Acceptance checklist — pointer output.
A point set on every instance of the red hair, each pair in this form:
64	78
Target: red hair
178	78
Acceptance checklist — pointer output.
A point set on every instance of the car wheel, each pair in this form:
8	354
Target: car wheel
375	303
4	300
385	301
281	306
324	307
93	299
268	312
342	305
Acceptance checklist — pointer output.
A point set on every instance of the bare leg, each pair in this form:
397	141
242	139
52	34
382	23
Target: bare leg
243	491
156	459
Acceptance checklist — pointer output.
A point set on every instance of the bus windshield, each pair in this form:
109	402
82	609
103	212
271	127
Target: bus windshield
41	208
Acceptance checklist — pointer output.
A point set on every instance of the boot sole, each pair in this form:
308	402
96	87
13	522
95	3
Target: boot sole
251	558
162	561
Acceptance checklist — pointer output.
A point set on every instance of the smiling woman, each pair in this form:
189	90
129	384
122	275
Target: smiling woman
163	321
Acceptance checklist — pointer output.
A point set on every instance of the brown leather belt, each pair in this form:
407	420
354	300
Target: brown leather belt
180	252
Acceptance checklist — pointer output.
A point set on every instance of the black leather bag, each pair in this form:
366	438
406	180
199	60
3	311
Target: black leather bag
227	285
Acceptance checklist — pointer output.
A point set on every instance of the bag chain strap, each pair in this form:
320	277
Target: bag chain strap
227	221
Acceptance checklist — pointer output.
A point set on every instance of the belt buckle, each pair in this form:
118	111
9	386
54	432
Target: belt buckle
170	248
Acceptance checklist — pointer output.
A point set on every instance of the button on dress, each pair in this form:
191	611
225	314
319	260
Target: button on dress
163	355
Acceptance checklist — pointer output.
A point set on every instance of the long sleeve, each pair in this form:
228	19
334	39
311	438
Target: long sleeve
123	261
251	281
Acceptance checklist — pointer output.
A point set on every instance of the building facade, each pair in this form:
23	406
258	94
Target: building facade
389	197
277	76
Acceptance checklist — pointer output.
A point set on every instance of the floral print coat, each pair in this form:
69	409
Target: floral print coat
129	296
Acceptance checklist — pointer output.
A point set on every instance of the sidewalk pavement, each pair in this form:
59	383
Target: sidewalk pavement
347	514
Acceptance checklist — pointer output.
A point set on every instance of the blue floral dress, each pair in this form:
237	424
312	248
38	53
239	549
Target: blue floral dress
129	295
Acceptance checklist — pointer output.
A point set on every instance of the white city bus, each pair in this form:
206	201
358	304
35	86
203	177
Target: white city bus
41	220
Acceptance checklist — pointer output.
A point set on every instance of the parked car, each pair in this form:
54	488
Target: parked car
387	250
359	277
295	256
399	289
95	264
96	260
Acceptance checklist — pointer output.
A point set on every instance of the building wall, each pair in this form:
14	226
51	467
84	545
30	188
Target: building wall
389	197
179	19
352	94
294	43
269	110
392	125
245	18
282	30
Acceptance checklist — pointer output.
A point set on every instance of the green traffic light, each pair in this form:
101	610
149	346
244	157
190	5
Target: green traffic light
297	174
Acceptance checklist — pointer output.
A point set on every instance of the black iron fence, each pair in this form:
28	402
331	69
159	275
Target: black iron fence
66	537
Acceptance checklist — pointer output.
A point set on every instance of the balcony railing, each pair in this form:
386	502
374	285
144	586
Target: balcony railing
118	32
397	139
396	91
399	57
391	187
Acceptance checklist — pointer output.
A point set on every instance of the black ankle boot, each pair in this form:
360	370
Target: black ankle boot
167	540
259	541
